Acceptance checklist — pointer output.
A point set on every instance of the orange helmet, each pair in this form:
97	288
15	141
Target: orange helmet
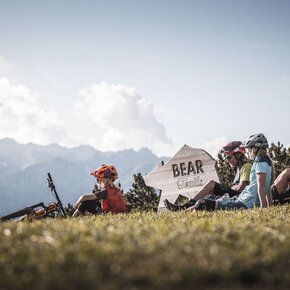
105	171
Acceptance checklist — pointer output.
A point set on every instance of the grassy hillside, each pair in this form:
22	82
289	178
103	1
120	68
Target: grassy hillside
234	250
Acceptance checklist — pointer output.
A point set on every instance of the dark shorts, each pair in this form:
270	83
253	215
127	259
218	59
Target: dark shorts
91	206
275	193
280	198
220	190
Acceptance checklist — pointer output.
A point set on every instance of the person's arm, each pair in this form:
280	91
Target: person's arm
240	186
269	198
261	186
244	178
103	194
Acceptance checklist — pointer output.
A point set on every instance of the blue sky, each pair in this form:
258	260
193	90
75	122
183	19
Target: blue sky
156	74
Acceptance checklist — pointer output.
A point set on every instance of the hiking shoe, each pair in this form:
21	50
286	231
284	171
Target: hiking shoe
171	206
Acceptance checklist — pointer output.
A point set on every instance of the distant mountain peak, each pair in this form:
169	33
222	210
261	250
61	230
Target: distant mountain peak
54	145
23	170
8	140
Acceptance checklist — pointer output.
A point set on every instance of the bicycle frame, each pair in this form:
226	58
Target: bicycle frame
39	210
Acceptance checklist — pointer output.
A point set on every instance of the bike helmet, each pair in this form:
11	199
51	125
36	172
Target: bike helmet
105	171
256	140
233	147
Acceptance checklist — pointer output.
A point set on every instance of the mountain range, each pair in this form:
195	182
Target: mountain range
24	168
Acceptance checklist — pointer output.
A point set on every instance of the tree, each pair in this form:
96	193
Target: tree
225	171
140	196
281	157
69	209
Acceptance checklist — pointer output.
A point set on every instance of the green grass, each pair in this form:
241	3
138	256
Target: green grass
192	250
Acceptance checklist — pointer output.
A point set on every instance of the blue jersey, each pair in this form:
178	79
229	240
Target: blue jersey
249	196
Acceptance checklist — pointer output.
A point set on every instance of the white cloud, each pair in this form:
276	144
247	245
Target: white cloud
24	118
123	117
106	116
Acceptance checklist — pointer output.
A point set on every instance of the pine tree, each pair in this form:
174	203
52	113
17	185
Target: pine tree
280	156
225	171
69	209
140	196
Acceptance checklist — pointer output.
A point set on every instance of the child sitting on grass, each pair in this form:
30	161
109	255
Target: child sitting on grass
110	196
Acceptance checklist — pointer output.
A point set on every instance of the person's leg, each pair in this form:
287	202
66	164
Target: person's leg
281	182
229	203
204	204
206	190
90	206
220	190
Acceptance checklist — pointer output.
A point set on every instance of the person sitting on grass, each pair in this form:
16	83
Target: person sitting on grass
235	155
257	193
110	196
280	189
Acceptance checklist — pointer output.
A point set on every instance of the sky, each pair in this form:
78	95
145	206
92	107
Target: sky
158	74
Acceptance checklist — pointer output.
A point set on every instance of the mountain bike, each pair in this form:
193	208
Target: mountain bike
39	210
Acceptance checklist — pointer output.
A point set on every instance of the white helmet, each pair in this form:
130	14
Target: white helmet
256	140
